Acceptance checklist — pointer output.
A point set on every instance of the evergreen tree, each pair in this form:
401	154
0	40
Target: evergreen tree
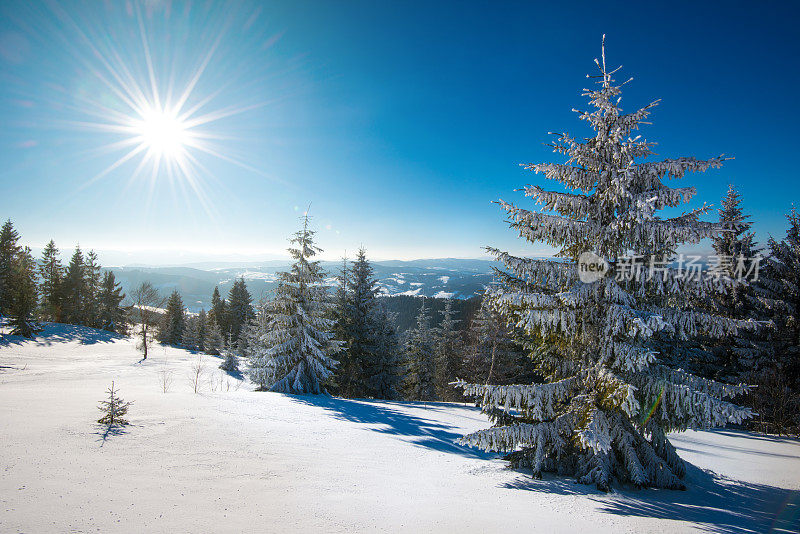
777	375
493	355
202	325
9	249
239	309
51	274
419	380
382	373
301	345
93	273
21	295
213	341
191	333
173	323
230	363
348	372
114	409
736	357
448	354
219	311
111	315
75	290
260	369
611	397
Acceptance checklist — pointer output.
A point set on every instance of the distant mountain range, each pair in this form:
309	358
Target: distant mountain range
436	278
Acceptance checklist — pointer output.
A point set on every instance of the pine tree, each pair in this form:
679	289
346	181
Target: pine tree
9	249
51	274
114	408
202	324
493	355
260	368
610	397
777	375
111	315
735	357
173	323
21	295
75	291
239	308
448	353
219	311
420	369
213	341
301	344
93	273
348	372
382	373
230	363
191	333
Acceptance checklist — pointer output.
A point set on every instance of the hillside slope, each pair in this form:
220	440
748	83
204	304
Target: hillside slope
232	460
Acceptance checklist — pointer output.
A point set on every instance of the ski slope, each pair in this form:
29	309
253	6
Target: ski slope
232	460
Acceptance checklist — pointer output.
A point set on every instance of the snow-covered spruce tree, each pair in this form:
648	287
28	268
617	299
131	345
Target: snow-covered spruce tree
419	379
230	362
346	376
114	408
92	271
260	366
736	357
609	399
448	351
300	343
777	395
191	333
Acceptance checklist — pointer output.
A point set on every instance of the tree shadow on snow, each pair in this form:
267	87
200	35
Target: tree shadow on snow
385	418
716	504
104	432
60	333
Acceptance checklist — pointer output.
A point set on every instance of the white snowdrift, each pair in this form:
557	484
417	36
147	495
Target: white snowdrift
233	460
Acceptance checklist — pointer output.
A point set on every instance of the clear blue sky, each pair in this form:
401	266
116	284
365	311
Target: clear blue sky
398	121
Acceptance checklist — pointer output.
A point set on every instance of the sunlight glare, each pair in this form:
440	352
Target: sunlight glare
162	133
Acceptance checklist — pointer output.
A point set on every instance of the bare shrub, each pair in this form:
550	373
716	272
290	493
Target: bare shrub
196	373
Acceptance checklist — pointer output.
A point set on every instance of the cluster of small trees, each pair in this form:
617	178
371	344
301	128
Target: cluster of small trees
80	293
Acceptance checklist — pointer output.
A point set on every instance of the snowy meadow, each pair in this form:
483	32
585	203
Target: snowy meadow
245	461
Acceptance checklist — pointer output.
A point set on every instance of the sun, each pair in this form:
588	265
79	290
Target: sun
162	133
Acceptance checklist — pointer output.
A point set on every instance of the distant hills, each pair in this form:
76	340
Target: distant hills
436	278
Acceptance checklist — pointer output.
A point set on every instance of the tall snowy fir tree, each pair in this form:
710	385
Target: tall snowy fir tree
420	367
173	323
9	249
348	372
448	353
736	255
51	274
260	366
239	309
300	344
610	397
111	315
213	340
777	395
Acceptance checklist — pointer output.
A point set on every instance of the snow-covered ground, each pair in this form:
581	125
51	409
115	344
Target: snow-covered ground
232	460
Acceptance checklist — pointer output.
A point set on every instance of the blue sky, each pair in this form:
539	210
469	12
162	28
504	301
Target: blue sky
398	121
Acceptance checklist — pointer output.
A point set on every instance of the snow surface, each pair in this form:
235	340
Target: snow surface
234	460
